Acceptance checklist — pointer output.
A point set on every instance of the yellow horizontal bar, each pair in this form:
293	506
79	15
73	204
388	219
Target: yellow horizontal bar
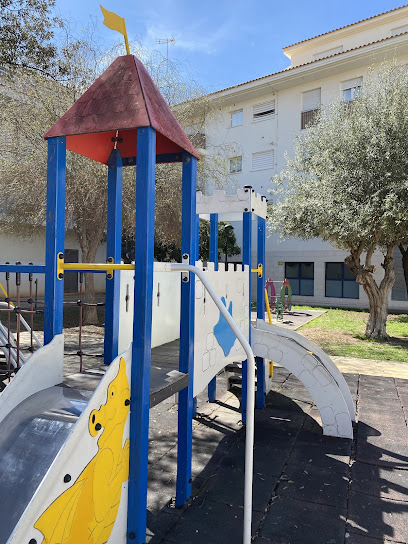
93	266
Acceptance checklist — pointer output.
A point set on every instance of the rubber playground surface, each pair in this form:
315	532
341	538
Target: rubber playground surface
307	488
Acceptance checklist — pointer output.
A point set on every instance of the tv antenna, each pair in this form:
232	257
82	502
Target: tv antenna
166	41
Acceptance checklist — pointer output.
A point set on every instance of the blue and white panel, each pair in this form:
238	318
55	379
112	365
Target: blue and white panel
215	344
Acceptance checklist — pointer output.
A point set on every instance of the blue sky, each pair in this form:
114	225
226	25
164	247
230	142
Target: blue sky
224	42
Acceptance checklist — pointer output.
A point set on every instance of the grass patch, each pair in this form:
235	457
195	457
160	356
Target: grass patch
341	333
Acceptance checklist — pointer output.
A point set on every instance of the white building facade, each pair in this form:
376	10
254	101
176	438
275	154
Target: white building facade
256	127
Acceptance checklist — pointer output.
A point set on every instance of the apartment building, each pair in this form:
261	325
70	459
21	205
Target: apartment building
260	118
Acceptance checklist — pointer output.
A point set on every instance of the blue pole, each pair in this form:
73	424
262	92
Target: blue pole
55	237
246	260
260	313
186	362
113	250
142	329
212	386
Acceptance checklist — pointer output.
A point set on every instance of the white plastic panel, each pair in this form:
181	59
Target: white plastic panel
324	359
86	487
316	378
42	370
165	309
215	344
245	200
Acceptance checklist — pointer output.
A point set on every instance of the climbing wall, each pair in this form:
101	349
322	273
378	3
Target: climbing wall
215	344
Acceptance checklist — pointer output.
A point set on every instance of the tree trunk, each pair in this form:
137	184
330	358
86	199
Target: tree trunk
88	256
404	253
378	295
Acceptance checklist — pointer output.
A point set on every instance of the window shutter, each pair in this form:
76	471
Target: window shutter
352	83
263	160
264	110
311	100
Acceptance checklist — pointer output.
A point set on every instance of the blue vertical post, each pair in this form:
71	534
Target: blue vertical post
246	260
212	386
260	312
142	330
55	237
186	363
113	250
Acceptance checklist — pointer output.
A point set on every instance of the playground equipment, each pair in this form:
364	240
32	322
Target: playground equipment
280	301
82	458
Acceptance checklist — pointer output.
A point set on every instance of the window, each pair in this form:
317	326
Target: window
311	102
265	110
328	53
237	118
340	282
301	277
263	160
351	89
236	165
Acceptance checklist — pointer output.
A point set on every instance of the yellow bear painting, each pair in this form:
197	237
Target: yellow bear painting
86	512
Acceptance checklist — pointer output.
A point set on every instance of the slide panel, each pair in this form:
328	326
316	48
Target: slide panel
324	358
315	377
85	489
42	370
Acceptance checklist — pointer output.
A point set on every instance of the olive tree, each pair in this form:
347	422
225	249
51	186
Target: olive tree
347	183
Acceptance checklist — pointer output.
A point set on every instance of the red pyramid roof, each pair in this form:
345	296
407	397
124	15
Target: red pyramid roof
122	99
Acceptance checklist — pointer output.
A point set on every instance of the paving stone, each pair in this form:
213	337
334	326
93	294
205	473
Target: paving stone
282	401
278	420
161	489
299	393
299	522
377	381
227	486
205	460
377	517
314	485
207	522
333	456
268	460
159	523
391	456
378	391
262	540
380	481
352	538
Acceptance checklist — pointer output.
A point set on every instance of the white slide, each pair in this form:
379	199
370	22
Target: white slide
314	368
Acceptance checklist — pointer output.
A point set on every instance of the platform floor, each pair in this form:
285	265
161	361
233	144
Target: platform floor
308	489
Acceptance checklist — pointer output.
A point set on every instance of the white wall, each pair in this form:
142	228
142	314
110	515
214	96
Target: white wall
278	134
370	31
26	250
165	310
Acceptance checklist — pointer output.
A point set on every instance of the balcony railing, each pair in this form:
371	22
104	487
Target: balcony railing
308	118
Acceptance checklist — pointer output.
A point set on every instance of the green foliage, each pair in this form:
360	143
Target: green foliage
348	180
26	30
226	241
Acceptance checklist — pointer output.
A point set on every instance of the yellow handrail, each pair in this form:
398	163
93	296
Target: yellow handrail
268	309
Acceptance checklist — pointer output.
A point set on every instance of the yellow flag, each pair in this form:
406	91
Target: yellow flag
115	22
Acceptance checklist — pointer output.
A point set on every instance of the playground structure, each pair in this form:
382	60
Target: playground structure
281	300
83	457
